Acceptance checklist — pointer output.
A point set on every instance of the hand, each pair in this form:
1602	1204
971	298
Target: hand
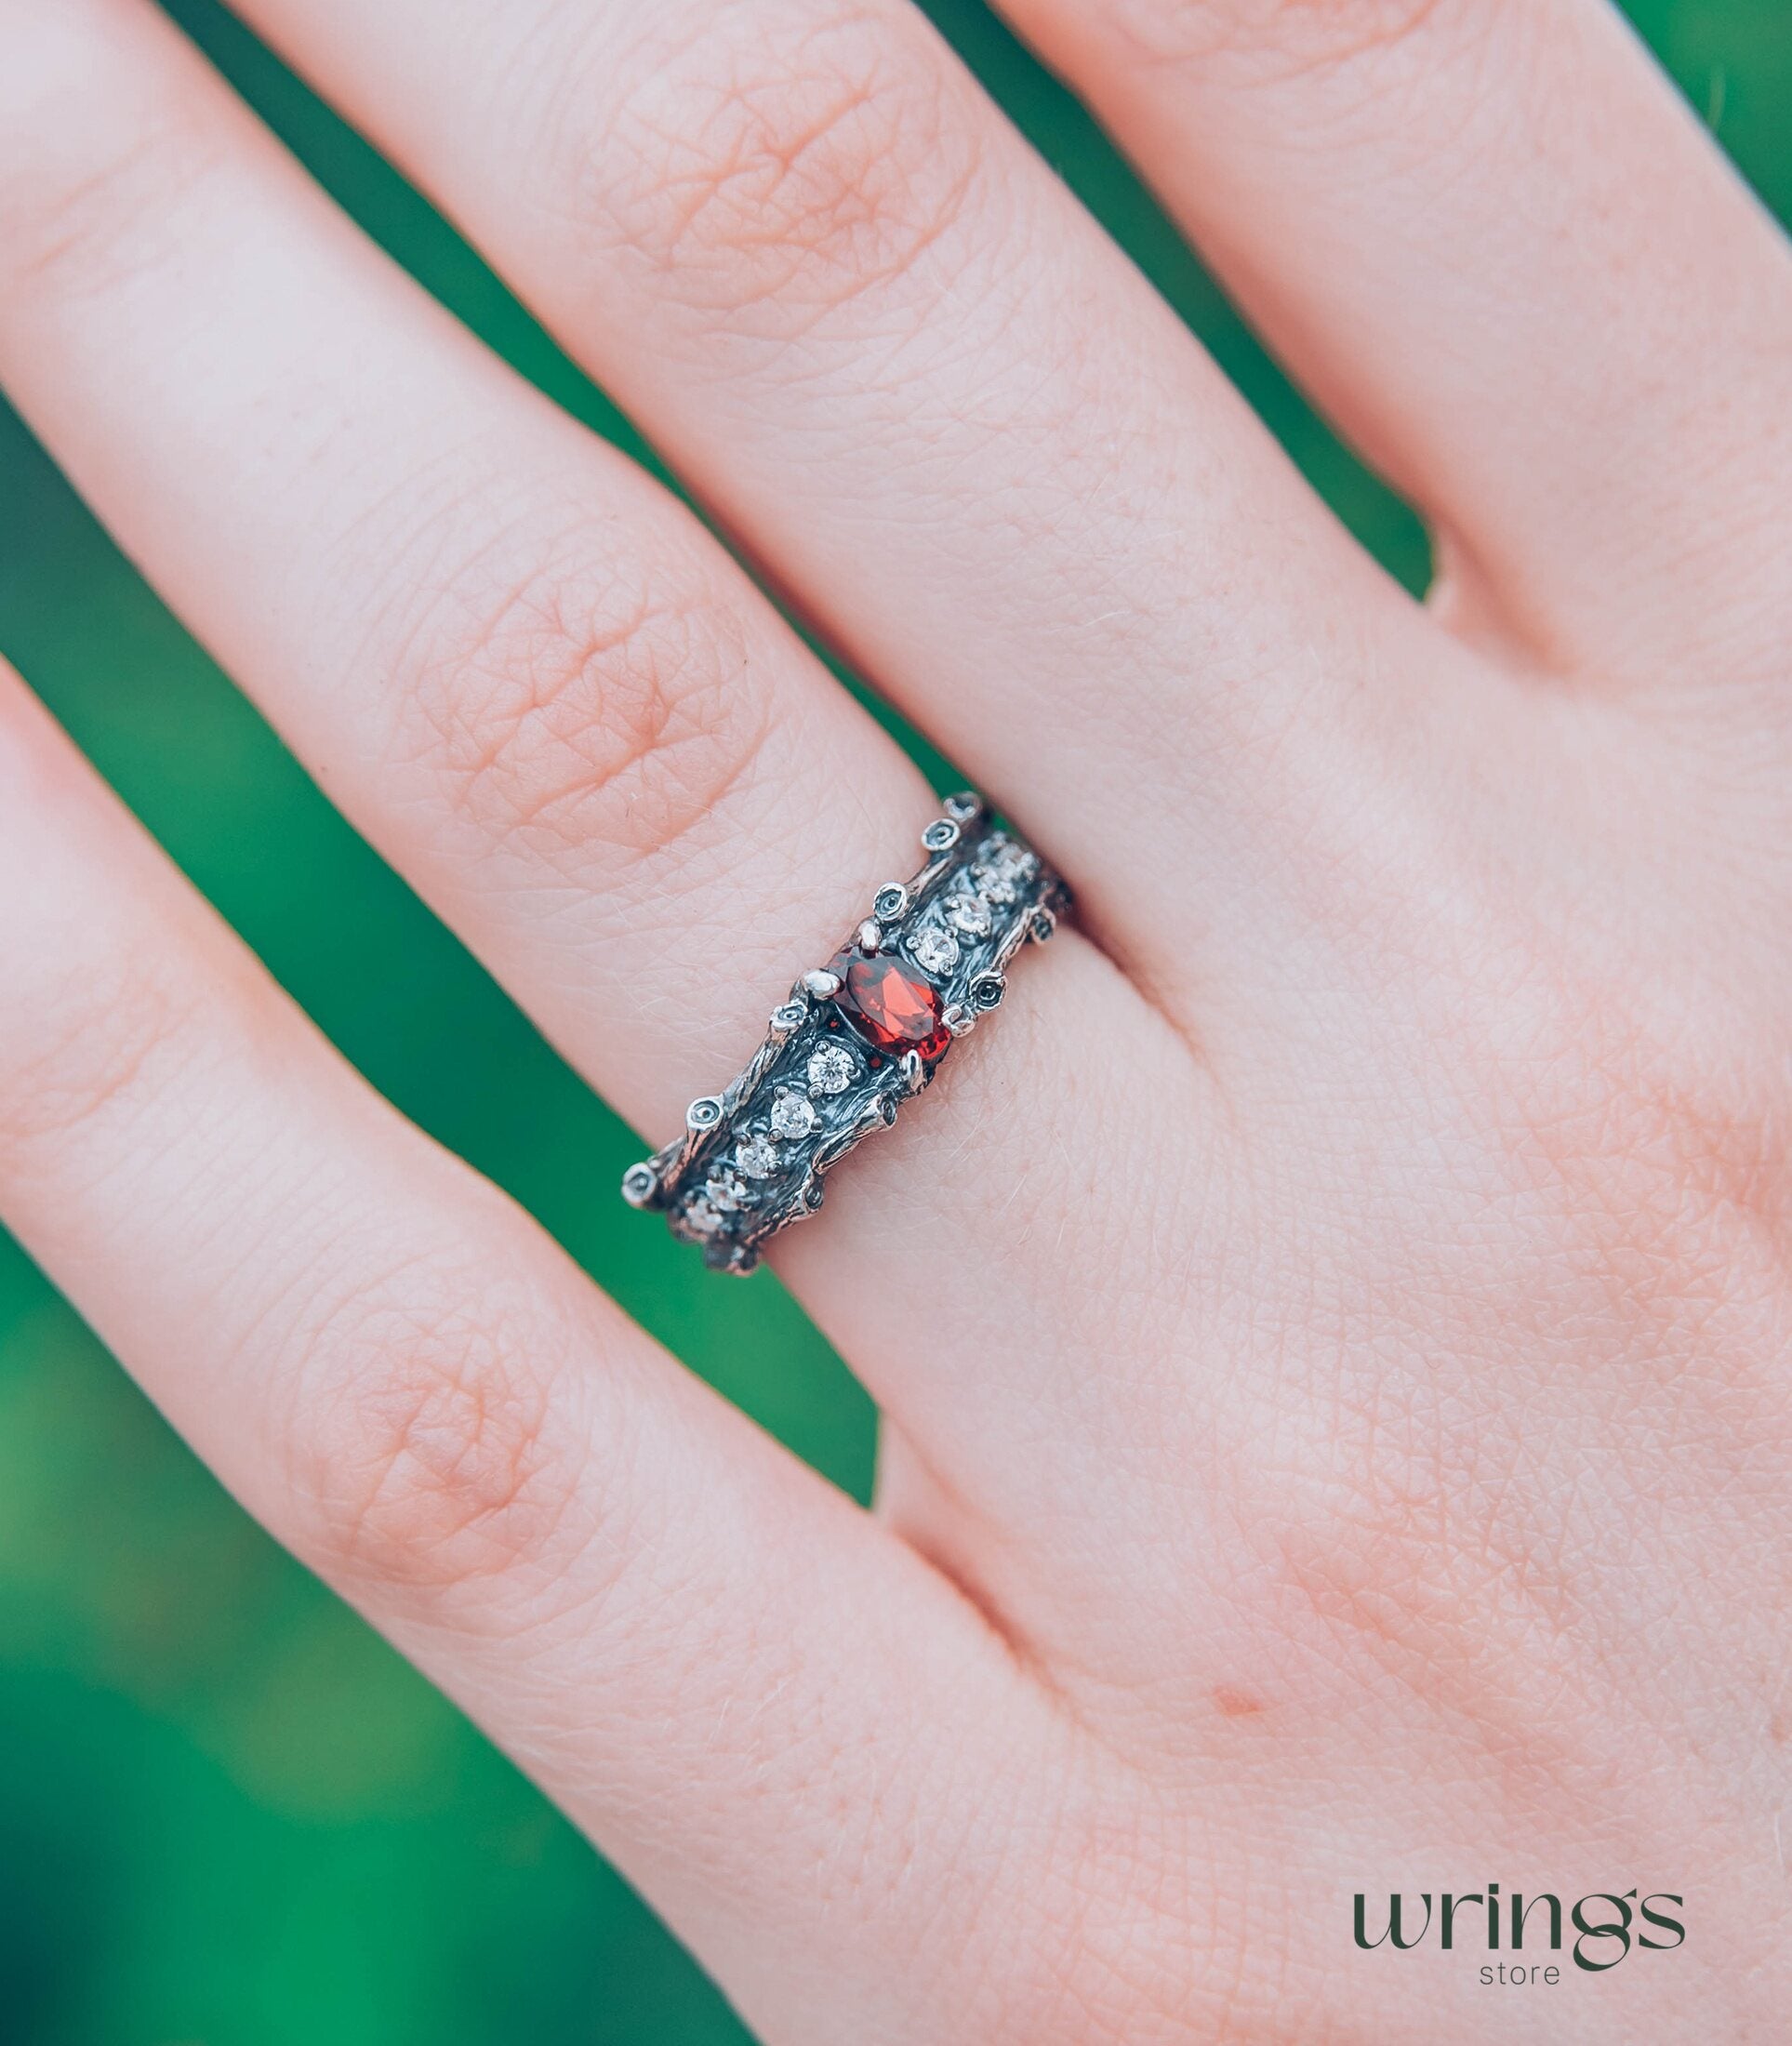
1333	1327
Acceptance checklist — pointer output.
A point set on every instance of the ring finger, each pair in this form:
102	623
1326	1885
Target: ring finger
525	671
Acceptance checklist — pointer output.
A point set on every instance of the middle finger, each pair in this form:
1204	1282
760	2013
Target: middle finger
797	241
525	672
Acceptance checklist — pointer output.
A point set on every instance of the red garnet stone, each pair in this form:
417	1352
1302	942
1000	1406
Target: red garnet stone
889	1007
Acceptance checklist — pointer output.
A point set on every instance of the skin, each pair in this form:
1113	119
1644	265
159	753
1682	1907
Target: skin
1350	1449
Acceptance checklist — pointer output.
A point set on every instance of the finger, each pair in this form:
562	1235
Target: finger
547	696
1501	248
803	248
722	1668
521	666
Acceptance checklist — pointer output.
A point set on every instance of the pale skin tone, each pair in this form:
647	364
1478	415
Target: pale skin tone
1351	1443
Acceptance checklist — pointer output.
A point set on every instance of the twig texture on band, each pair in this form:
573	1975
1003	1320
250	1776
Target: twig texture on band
856	1039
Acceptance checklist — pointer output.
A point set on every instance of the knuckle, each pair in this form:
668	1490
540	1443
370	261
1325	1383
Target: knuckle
425	1458
86	202
1684	1133
101	1030
577	718
794	170
1648	1124
1290	34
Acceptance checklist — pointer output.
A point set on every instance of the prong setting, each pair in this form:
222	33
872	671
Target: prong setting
853	1040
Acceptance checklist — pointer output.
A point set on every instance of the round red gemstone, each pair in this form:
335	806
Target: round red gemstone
888	1006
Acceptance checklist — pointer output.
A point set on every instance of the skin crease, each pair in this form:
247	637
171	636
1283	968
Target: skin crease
1352	1451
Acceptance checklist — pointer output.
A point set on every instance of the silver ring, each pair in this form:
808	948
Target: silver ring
854	1040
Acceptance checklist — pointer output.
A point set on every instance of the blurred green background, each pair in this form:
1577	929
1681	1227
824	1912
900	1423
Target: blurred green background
229	1815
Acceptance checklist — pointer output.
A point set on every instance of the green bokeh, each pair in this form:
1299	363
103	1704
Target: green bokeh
228	1813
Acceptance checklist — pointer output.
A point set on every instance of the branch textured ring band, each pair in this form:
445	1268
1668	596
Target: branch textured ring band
854	1040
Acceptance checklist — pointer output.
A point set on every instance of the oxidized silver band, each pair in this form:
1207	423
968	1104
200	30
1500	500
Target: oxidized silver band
854	1040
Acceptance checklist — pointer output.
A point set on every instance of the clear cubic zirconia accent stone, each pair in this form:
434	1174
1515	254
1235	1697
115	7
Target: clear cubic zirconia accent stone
756	1157
791	1116
934	950
971	914
830	1069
